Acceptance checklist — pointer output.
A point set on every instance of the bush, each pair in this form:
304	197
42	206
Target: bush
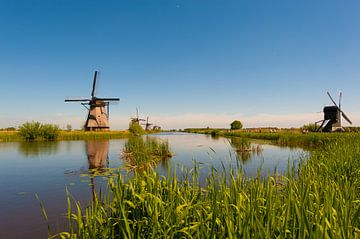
50	131
236	124
30	131
135	128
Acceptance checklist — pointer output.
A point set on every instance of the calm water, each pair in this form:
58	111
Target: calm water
47	168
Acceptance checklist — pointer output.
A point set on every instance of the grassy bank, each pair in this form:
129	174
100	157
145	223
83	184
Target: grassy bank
320	200
297	139
10	136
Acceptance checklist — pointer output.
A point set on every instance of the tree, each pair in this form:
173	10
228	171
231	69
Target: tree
236	124
68	127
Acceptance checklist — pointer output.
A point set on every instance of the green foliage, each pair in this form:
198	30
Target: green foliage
310	127
215	133
136	129
50	131
319	200
68	127
140	153
31	131
236	124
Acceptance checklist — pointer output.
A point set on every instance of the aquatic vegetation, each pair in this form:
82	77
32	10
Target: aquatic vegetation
321	199
140	153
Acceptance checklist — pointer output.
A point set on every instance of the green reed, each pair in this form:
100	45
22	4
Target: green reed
141	153
321	199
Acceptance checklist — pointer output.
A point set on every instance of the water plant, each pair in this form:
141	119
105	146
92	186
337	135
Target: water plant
319	200
140	153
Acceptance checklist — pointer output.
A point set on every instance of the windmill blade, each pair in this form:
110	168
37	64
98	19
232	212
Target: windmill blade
94	84
340	96
345	117
77	100
108	99
332	99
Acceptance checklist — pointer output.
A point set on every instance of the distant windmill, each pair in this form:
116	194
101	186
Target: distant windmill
137	119
98	116
147	124
332	116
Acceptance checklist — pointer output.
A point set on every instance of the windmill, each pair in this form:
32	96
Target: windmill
137	119
332	116
98	109
147	124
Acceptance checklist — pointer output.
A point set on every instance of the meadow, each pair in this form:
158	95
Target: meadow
321	199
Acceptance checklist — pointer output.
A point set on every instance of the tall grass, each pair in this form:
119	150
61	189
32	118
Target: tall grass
310	140
140	153
319	200
87	135
9	136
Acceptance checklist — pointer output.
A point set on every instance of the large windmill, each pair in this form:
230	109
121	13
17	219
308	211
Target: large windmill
332	116
98	108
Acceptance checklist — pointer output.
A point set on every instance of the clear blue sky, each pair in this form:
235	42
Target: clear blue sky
179	58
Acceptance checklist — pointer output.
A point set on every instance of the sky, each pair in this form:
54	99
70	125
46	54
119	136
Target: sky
183	63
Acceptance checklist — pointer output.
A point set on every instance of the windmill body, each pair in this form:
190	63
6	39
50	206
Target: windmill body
332	117
97	118
98	110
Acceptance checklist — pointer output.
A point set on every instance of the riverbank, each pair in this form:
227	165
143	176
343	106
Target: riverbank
13	136
291	139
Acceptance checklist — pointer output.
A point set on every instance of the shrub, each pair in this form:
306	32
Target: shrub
50	131
236	124
30	130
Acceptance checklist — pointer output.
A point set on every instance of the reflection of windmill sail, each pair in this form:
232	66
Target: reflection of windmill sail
98	154
98	116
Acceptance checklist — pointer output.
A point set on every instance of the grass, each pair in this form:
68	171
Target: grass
296	139
12	136
319	200
140	153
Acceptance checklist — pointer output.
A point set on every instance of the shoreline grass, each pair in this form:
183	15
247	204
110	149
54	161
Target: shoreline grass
13	136
291	139
319	200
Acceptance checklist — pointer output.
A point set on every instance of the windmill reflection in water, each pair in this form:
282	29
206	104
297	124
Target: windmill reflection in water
97	152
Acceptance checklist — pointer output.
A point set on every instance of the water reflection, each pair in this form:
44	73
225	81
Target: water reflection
37	148
98	159
98	154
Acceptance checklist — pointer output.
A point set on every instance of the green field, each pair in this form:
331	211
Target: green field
321	199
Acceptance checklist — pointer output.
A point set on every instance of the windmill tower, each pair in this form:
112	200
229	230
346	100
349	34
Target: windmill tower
332	116
98	109
147	124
